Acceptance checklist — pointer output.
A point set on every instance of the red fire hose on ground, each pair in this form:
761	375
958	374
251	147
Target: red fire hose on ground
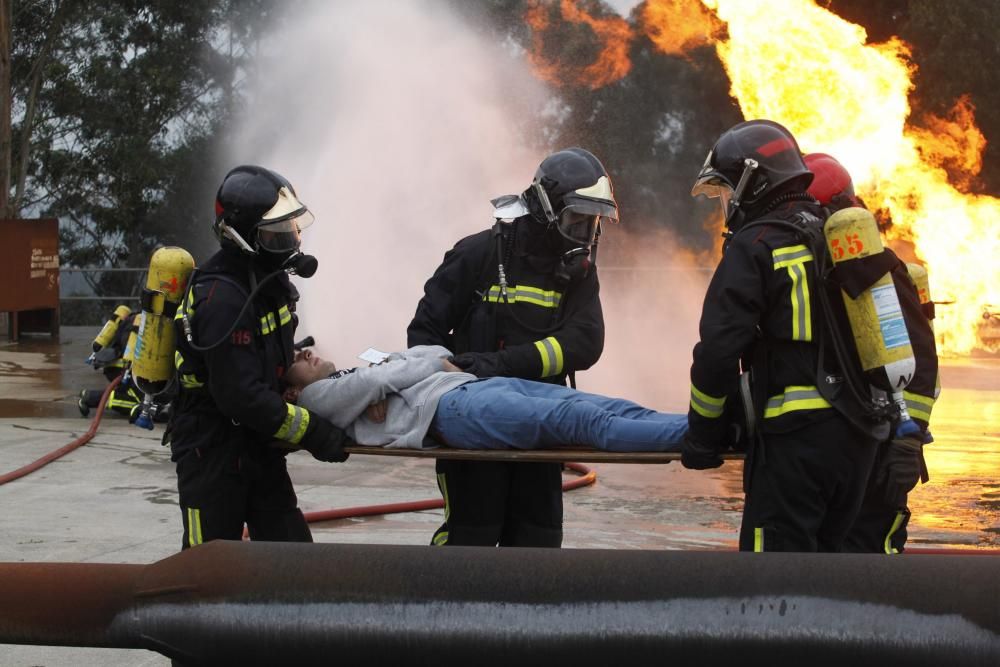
63	451
587	477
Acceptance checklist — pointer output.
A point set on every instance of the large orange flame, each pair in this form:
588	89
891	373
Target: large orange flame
613	35
803	66
796	63
677	26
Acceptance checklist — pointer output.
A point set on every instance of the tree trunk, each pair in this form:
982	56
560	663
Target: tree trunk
5	94
30	103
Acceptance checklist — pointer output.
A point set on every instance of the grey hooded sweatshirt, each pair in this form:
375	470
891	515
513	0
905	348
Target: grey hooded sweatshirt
411	381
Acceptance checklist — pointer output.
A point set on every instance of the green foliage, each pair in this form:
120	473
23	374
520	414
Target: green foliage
118	105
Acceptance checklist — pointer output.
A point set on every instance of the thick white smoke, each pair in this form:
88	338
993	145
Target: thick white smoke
397	123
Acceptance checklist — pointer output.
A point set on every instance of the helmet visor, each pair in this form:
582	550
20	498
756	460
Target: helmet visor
283	235
580	220
713	187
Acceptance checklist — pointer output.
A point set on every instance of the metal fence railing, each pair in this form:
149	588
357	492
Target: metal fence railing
86	294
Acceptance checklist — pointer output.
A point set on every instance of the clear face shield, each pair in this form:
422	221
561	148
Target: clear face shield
714	187
280	228
711	184
283	235
580	220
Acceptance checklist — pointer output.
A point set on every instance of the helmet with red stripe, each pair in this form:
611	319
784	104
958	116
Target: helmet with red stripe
750	165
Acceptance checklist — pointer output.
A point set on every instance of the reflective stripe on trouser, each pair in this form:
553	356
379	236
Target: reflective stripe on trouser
440	537
194	526
123	401
706	405
795	398
552	356
794	258
898	523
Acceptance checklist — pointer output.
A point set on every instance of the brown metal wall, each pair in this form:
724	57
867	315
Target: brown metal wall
29	264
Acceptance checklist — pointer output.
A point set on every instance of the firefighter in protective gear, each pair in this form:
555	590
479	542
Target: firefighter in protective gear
125	399
235	331
808	462
881	524
520	300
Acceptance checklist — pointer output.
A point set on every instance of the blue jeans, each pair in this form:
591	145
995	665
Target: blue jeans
503	413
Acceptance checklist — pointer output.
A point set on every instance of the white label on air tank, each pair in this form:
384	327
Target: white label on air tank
138	337
890	317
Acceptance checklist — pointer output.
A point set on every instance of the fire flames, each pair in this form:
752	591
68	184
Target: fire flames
803	66
613	34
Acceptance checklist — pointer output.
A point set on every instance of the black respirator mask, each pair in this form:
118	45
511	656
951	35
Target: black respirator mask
574	231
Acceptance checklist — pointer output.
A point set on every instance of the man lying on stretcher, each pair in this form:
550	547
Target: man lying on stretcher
425	395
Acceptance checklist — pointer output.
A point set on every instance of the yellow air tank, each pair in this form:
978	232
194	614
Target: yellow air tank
875	316
153	362
133	336
107	332
918	274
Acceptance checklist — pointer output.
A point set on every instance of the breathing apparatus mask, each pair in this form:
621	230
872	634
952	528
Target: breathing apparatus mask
576	228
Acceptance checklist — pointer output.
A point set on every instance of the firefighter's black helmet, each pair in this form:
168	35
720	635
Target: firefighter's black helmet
751	163
572	192
257	211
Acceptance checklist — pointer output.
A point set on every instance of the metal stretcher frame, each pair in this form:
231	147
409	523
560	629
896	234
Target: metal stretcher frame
531	455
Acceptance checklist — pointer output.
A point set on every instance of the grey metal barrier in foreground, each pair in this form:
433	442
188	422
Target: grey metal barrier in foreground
269	603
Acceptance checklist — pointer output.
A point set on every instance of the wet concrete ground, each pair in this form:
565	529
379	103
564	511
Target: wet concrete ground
114	500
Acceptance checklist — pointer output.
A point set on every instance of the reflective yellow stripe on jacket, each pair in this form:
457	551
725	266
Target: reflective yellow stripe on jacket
525	294
794	398
918	406
188	380
705	405
295	424
552	356
794	258
269	323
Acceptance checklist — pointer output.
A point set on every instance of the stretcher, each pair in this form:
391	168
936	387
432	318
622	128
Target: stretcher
530	455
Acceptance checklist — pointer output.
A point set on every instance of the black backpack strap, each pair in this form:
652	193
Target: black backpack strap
857	404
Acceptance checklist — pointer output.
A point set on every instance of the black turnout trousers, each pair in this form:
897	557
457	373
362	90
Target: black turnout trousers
222	487
806	487
491	503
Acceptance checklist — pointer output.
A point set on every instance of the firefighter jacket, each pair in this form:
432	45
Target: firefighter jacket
761	312
233	393
546	329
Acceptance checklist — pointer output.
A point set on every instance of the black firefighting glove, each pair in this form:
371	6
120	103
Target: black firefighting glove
325	441
698	455
899	468
481	364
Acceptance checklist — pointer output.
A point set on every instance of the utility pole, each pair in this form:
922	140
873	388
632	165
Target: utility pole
5	109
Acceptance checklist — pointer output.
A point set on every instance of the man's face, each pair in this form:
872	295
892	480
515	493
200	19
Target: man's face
308	368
